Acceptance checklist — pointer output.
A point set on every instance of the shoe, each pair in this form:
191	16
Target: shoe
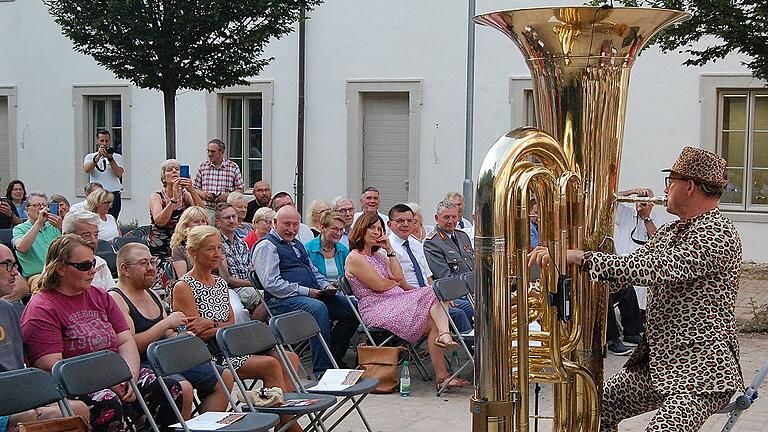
632	340
452	345
454	383
616	347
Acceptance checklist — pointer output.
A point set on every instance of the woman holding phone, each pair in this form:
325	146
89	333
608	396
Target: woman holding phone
59	205
165	209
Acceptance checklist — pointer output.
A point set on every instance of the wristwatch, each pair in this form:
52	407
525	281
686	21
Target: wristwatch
647	219
173	201
215	324
391	255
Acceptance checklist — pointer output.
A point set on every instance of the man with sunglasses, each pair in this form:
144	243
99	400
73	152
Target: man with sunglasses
32	237
687	364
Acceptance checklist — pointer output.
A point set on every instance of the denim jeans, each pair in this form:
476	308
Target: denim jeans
335	308
464	306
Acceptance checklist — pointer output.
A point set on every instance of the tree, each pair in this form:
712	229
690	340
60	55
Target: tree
168	45
722	26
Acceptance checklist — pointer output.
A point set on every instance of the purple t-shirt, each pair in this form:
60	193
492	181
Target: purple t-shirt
71	325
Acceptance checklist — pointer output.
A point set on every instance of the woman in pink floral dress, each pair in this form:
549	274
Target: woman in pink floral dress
385	300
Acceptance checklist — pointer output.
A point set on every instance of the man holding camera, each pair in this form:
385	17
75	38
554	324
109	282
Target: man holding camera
105	167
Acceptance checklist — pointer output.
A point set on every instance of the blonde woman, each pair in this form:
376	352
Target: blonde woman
239	202
263	220
420	231
99	202
316	210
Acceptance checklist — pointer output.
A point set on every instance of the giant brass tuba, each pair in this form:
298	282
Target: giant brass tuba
580	60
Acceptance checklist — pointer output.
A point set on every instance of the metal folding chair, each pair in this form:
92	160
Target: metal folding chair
294	327
75	377
381	337
176	355
256	337
39	389
119	242
744	400
449	289
469	280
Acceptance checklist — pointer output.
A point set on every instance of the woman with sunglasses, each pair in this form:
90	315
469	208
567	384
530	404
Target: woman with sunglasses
69	317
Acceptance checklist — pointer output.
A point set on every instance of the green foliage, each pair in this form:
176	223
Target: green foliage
717	28
171	44
759	321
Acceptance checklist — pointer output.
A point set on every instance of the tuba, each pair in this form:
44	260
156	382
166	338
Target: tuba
580	60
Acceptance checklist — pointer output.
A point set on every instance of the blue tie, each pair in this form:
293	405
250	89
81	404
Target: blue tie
416	267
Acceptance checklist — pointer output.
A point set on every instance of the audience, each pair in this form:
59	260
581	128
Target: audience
236	264
63	203
316	210
386	300
86	224
291	282
346	207
9	216
217	177
11	348
69	318
262	194
239	202
90	187
99	202
326	251
282	199
105	166
149	322
204	300
464	224
32	237
370	200
17	193
262	225
419	231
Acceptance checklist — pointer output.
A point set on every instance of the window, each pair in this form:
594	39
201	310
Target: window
106	114
742	139
244	130
530	119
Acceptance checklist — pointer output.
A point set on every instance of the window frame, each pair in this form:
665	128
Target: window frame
84	132
9	92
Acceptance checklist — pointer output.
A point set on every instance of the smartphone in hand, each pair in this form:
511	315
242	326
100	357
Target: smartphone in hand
184	171
53	208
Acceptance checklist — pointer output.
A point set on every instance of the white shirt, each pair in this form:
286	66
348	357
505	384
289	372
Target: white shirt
103	172
77	206
626	221
405	261
382	216
331	271
108	229
103	277
305	233
469	229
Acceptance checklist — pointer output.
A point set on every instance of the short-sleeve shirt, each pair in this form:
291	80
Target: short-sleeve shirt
221	180
11	352
71	325
33	260
238	256
103	174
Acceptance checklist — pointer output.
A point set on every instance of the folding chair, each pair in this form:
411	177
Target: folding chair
105	246
449	289
176	355
298	326
256	337
39	389
6	236
119	242
111	258
76	377
744	400
385	337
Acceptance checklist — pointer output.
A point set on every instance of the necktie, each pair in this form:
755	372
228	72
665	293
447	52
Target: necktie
461	224
455	240
416	266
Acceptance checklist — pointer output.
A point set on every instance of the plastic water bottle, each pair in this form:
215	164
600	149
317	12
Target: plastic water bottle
405	380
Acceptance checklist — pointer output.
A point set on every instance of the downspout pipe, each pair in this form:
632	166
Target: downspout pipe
468	185
300	118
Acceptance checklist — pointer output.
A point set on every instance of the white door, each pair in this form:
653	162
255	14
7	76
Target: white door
5	148
385	146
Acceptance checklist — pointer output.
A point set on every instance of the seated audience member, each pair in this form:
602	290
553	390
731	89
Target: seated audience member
11	348
386	300
239	202
291	282
32	238
63	204
236	264
370	200
419	231
204	299
346	207
262	194
282	199
464	224
165	209
17	194
86	224
325	251
69	317
99	202
90	187
262	225
9	216
182	262
149	322
410	254
316	210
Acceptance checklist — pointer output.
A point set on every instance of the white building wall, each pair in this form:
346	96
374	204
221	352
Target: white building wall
346	40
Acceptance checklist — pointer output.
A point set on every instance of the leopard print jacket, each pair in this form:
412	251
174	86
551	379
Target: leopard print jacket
691	269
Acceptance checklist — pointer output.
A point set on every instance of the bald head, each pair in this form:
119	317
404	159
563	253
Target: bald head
287	222
7	278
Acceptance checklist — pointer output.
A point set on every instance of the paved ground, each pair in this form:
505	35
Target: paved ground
424	412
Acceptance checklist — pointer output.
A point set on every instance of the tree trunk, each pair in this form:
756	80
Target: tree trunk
169	102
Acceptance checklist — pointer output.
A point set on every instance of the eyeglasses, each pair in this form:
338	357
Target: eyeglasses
144	263
10	265
668	180
401	221
346	210
38	205
334	229
84	266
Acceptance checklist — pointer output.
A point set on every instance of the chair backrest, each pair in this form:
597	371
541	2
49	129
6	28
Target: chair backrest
451	288
255	282
105	246
469	280
344	285
24	389
6	236
90	372
294	327
178	354
245	339
111	258
119	242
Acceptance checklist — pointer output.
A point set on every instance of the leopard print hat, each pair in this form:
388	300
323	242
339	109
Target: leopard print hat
701	165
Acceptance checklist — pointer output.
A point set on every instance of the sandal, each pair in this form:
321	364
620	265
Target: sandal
452	345
455	382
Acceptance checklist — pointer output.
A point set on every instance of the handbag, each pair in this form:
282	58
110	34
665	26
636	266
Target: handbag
380	362
264	397
65	424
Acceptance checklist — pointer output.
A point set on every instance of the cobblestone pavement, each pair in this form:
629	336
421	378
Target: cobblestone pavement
425	412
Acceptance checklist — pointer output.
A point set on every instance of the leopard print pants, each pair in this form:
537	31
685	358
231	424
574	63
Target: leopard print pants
630	393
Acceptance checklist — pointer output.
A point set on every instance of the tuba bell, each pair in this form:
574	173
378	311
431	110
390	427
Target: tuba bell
580	60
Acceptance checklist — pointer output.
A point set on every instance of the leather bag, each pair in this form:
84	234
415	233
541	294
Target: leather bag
264	397
66	424
380	362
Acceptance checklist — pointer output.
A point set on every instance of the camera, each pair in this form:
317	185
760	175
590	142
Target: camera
111	150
